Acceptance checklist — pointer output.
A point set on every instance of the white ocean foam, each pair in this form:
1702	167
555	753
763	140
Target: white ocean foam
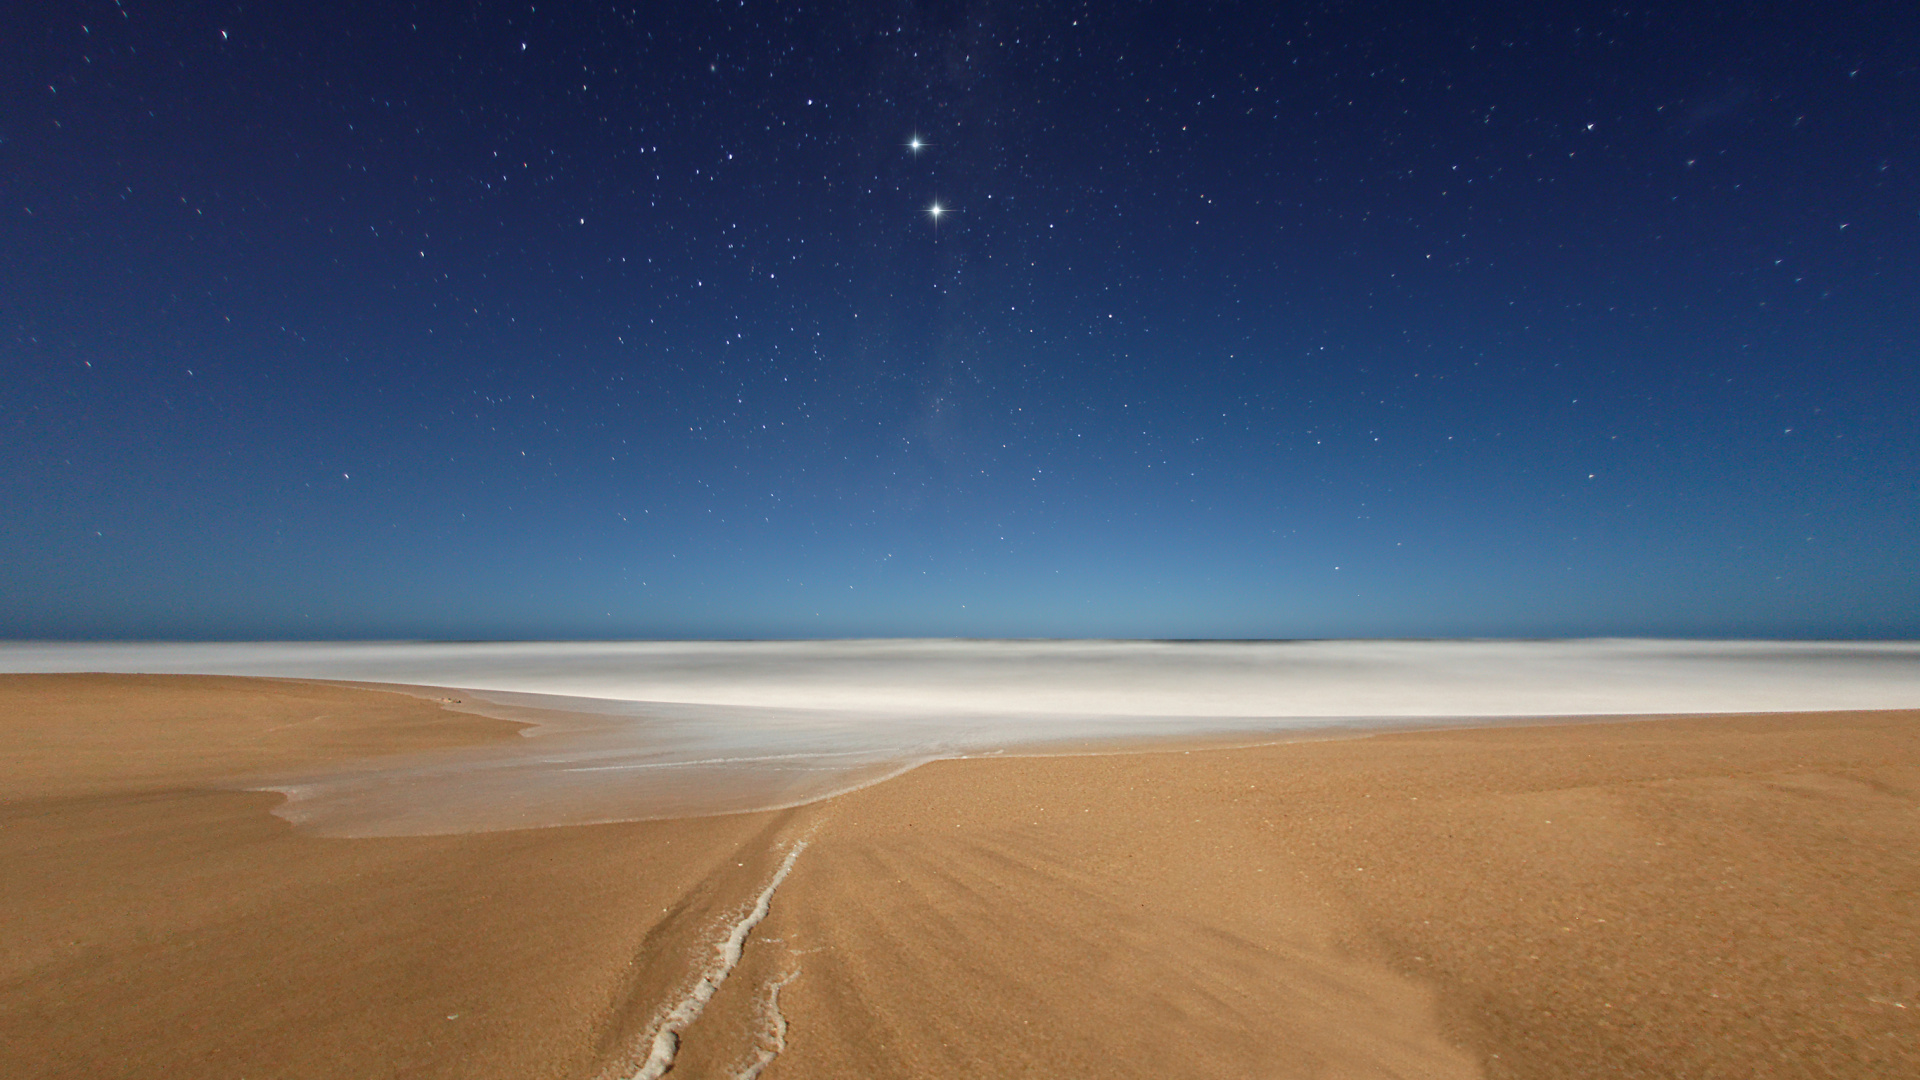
1110	678
661	729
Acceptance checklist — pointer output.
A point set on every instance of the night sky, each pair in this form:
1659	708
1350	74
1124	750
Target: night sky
1243	320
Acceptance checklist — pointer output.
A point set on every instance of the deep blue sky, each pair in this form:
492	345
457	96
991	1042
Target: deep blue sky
582	320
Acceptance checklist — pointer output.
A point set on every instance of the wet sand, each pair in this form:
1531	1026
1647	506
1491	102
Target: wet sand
1673	897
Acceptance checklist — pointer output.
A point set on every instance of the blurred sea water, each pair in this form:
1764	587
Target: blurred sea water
633	730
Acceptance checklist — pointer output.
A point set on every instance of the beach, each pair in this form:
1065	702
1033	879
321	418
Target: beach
1700	896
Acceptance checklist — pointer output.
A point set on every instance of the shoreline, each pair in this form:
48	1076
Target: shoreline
735	777
1712	895
717	779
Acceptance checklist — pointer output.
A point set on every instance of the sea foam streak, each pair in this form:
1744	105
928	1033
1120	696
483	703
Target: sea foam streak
773	1040
666	1037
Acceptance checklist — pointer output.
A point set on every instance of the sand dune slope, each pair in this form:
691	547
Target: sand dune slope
1731	896
1004	953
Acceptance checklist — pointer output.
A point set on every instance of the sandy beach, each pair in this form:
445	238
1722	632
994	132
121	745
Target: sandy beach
1704	896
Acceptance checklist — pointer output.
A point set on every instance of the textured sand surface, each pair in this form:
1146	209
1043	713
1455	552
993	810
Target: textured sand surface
1727	896
1735	896
156	926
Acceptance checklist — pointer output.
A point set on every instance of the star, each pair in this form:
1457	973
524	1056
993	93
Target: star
915	144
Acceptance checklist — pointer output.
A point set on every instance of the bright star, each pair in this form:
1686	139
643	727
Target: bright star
916	144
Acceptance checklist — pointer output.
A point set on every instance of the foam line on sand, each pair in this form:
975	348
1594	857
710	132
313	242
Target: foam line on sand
666	1039
775	1036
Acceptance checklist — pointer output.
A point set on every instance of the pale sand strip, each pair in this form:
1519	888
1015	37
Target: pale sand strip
89	734
1701	897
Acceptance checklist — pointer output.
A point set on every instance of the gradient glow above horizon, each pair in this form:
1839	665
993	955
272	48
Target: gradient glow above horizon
533	321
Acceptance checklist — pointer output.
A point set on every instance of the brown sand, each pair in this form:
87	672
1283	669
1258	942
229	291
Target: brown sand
1730	896
156	926
1734	896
